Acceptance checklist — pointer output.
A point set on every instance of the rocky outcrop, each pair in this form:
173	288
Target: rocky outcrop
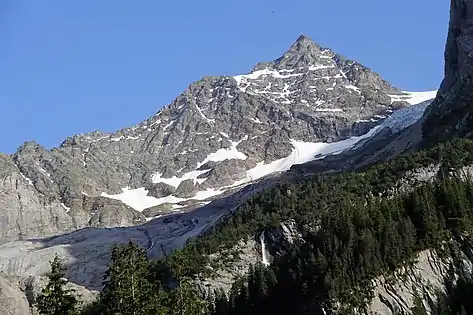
263	248
26	213
33	286
18	295
86	251
395	294
450	115
112	213
12	300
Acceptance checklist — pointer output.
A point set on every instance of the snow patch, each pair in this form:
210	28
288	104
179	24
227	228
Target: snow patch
414	97
65	207
30	182
256	120
169	125
333	110
116	139
303	152
352	87
225	154
157	122
258	73
203	116
176	181
318	67
139	200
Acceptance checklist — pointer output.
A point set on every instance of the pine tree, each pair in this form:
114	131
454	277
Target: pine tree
54	299
184	300
127	290
222	305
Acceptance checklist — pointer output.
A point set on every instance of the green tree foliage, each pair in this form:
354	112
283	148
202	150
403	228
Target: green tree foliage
54	299
127	289
184	300
130	289
357	226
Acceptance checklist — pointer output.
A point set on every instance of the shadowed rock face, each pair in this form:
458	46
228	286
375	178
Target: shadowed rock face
450	115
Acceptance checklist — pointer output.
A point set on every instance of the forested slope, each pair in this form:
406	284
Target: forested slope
356	226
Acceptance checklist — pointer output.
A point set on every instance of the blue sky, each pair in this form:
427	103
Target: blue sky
70	67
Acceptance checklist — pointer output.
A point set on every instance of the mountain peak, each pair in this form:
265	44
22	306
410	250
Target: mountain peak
302	53
304	43
304	38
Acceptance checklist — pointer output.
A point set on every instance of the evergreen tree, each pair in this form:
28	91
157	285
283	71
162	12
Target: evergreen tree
222	305
184	300
127	290
54	299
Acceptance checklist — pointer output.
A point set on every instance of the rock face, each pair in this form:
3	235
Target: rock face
12	300
33	286
395	295
18	295
220	133
450	115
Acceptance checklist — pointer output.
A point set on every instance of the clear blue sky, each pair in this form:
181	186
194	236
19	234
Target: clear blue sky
70	67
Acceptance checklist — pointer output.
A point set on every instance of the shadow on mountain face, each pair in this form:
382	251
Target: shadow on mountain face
86	252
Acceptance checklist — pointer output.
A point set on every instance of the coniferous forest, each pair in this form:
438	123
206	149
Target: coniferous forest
357	226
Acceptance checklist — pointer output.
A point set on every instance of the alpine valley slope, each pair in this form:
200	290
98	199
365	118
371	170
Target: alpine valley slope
204	151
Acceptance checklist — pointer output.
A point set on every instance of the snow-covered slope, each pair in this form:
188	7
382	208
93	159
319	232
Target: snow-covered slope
403	118
302	152
414	97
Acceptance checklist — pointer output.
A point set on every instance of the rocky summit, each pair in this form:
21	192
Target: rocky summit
220	134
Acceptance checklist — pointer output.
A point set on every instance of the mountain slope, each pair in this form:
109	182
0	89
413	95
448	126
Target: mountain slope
219	134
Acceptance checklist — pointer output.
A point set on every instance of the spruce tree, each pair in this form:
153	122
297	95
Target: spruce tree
127	290
184	300
54	299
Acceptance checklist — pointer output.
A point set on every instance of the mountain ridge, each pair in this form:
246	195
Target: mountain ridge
219	134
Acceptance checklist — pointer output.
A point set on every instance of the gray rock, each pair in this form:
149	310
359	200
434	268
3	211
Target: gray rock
164	208
112	213
12	299
396	294
160	190
186	189
33	286
450	114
